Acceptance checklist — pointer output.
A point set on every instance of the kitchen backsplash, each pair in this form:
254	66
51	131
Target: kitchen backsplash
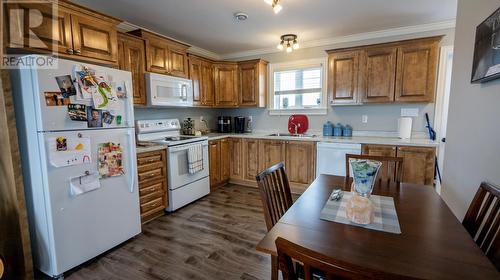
381	118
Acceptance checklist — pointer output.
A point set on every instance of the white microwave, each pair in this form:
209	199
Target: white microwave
168	91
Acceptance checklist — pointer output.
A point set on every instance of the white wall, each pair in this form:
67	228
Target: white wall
381	118
472	150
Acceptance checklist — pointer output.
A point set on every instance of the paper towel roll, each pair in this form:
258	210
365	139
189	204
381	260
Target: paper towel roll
404	127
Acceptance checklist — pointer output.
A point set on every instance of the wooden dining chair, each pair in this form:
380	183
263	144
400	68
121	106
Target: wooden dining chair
276	199
391	170
482	221
318	266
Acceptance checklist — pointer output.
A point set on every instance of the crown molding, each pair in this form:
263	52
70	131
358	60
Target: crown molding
351	38
127	26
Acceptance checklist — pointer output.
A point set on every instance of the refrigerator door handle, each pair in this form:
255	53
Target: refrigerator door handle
132	169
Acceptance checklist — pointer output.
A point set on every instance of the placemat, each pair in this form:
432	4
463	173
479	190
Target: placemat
386	218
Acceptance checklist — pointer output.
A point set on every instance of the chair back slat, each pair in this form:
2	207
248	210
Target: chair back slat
321	266
390	172
482	221
275	193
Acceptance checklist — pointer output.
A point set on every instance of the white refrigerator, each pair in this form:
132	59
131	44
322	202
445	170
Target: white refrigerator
75	212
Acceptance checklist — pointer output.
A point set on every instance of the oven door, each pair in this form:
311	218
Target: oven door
178	174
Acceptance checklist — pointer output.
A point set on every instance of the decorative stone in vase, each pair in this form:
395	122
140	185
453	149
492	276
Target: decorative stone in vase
359	208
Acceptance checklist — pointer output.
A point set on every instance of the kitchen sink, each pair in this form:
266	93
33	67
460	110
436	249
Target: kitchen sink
293	135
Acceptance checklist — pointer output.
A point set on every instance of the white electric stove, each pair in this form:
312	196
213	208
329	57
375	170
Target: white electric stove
183	187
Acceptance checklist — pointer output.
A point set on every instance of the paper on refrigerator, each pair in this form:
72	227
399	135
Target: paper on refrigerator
74	151
84	183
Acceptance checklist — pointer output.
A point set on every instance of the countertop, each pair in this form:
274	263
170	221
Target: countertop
150	148
420	142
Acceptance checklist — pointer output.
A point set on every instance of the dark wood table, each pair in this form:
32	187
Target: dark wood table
433	243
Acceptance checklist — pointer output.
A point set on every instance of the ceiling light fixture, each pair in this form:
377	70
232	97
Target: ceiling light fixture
275	4
288	42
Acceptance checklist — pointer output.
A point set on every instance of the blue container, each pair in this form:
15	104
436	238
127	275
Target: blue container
347	131
328	129
337	130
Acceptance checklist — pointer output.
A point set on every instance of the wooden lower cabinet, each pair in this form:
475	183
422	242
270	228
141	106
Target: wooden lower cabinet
219	161
250	159
418	164
152	175
271	152
300	163
236	158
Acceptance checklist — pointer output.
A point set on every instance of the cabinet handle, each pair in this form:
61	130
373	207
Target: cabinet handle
151	160
78	52
151	175
70	51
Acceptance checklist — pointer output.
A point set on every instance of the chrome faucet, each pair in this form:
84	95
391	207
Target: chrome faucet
296	128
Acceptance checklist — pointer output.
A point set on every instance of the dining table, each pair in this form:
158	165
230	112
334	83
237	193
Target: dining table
432	244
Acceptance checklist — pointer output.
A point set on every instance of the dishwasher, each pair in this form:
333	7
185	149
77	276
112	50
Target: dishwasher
331	157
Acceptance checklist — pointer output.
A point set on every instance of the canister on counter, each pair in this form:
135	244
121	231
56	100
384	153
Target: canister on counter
347	131
337	130
328	129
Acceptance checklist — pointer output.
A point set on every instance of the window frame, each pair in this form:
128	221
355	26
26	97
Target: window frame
294	65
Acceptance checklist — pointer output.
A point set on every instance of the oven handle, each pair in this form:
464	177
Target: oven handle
183	148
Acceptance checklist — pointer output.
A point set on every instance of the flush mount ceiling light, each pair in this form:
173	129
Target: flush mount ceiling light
288	42
240	16
275	4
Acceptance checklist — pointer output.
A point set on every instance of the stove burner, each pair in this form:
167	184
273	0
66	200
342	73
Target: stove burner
177	138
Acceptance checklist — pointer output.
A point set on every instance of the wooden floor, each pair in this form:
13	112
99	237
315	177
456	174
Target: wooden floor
213	238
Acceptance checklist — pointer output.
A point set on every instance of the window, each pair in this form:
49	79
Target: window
298	87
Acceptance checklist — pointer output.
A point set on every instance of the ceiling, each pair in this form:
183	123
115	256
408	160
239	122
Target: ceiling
209	24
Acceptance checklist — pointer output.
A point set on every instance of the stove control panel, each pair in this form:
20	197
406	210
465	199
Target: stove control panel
148	126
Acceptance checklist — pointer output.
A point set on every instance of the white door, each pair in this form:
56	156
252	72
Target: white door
93	222
442	104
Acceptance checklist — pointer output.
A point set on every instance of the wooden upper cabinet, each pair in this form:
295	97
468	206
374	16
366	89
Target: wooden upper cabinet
418	164
236	152
271	152
250	158
178	61
404	71
417	71
163	55
195	74
226	84
94	38
253	83
66	28
301	161
131	57
343	76
378	68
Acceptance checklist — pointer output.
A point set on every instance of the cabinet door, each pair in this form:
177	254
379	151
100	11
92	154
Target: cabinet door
248	84
379	150
379	75
271	152
236	154
207	84
418	164
195	75
94	38
300	161
157	55
226	85
178	62
53	34
225	159
343	76
251	158
214	159
132	58
416	71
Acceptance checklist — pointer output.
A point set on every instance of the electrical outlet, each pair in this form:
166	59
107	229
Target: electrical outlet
364	118
409	112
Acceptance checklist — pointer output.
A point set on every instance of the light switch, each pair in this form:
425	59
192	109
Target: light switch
409	112
364	118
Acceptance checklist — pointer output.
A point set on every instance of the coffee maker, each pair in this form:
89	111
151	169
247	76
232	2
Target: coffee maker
239	124
224	124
